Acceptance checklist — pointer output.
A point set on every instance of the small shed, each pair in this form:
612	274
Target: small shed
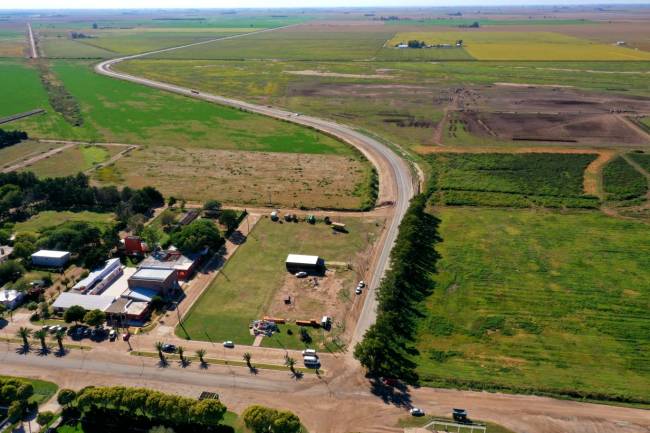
303	263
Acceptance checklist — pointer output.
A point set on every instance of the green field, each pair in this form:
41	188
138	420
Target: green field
621	181
289	44
119	111
47	219
73	160
512	46
566	314
43	390
455	22
244	288
505	179
643	159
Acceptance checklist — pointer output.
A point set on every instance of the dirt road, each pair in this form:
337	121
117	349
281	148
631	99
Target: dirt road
32	42
34	159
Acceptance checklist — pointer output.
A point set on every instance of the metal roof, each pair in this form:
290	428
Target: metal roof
51	254
154	274
88	302
302	259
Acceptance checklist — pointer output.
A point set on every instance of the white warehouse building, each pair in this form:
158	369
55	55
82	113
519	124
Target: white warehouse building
50	258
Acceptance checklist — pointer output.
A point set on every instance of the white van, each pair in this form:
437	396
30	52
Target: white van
311	361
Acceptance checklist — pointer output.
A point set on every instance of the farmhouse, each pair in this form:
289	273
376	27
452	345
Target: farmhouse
50	258
299	263
184	265
11	299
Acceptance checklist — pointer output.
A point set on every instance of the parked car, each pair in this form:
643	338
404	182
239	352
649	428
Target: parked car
126	336
229	344
46	328
301	274
358	290
309	352
415	411
112	335
311	361
361	284
168	348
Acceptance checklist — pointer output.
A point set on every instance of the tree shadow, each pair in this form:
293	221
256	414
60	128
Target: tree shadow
237	237
61	352
184	363
298	375
44	351
398	394
24	349
203	365
163	363
253	370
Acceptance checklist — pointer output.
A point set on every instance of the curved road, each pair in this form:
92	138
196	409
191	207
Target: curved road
396	183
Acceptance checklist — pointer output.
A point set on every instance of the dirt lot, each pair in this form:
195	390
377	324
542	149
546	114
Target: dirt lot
314	296
242	177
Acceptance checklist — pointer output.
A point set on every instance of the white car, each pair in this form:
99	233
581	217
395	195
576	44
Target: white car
301	274
416	411
358	290
229	344
361	284
309	352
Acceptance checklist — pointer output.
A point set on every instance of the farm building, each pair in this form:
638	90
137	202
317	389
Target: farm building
99	279
134	246
50	258
162	281
184	265
298	263
11	299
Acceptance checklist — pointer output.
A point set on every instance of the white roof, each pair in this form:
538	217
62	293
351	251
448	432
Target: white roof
120	285
152	274
302	259
88	302
9	295
98	274
51	254
140	294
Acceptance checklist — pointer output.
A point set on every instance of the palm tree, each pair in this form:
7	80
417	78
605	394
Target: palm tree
41	334
159	348
24	333
291	363
60	335
181	351
201	353
247	358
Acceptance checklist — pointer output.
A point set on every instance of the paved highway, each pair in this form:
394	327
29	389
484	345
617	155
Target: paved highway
395	179
32	42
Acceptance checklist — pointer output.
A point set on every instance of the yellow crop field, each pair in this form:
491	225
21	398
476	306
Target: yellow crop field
512	46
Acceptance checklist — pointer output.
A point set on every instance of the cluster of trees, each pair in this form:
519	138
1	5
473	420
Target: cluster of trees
77	314
9	138
10	271
196	236
158	408
414	43
262	419
387	347
75	193
15	394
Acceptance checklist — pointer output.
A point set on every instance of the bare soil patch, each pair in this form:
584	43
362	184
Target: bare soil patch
197	174
312	73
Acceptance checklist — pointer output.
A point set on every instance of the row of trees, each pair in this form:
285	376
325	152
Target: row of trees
387	347
157	407
75	193
9	138
15	395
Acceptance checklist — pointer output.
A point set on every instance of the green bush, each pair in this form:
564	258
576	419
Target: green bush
621	181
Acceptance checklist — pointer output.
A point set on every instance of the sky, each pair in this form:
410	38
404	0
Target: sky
131	4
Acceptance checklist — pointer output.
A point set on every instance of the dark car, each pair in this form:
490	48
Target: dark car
169	348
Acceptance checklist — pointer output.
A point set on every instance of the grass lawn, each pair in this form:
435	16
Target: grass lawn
43	390
247	283
23	150
539	301
422	421
49	218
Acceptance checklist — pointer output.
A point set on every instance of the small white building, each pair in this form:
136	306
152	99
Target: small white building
11	299
50	258
99	279
87	302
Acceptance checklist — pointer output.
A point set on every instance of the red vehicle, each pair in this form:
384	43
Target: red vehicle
126	336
